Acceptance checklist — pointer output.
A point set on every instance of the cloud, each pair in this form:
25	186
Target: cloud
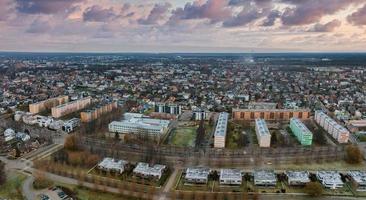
271	18
45	6
311	11
214	10
328	27
98	14
5	9
39	26
246	16
358	17
156	14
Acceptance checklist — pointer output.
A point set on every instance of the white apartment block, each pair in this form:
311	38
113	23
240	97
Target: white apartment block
220	131
337	131
197	175
262	132
231	176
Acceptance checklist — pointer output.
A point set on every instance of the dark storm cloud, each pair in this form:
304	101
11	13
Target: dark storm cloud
328	27
358	17
157	13
44	6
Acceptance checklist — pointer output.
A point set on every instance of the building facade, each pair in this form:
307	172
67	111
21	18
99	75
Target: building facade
302	133
270	114
337	131
47	104
140	125
93	114
170	108
70	107
220	131
262	132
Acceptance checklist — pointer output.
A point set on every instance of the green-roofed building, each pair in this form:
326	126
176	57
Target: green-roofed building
302	133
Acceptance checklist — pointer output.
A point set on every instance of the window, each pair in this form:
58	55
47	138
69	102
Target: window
262	115
271	115
300	115
291	114
242	115
281	115
252	115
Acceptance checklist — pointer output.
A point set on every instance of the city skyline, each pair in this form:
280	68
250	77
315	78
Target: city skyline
183	26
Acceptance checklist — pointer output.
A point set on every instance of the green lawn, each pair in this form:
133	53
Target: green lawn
12	188
184	137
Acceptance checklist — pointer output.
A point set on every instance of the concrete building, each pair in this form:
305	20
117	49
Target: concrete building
97	111
358	179
70	107
302	133
200	114
330	179
112	165
231	176
170	108
70	125
220	131
47	104
138	125
143	170
265	178
262	132
270	114
197	175
337	131
297	178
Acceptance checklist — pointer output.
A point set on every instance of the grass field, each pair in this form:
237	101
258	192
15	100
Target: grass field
11	189
184	137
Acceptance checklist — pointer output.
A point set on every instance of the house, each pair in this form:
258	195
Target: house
265	178
143	170
330	179
112	165
231	176
358	178
197	175
297	178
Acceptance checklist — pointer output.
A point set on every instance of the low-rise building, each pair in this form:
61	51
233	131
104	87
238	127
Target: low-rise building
143	170
221	129
200	114
262	132
112	165
140	125
265	178
197	175
70	125
297	178
231	176
330	179
358	179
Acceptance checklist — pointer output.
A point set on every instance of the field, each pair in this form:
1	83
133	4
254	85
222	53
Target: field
184	136
11	189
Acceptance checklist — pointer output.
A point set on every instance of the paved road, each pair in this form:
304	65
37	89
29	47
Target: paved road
169	185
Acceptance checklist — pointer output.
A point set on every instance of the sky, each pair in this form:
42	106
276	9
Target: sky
183	25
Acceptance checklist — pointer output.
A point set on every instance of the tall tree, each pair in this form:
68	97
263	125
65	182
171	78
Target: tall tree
2	173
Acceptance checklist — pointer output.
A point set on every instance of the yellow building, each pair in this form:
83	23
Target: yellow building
47	104
270	114
70	107
93	114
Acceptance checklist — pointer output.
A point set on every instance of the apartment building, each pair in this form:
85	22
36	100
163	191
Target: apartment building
337	131
270	114
220	131
302	133
97	111
262	132
47	104
70	107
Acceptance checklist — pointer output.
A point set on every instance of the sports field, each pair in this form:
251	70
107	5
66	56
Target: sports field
184	136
